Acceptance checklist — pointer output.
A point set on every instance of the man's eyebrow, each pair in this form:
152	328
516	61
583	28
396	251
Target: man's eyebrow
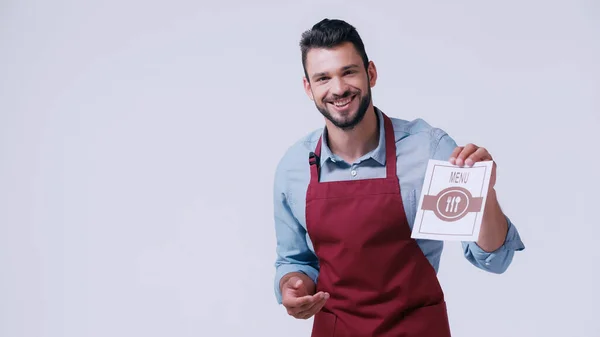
317	75
350	66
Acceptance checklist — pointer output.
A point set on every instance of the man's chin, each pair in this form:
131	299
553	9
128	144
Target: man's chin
346	123
344	120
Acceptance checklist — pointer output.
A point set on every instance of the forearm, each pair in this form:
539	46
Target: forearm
308	282
494	225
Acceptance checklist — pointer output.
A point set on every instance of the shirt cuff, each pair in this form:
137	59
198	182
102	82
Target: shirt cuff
284	269
498	260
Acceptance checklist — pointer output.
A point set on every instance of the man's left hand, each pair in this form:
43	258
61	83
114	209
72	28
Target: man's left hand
469	155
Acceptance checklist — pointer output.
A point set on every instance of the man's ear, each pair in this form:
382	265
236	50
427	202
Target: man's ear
372	71
307	88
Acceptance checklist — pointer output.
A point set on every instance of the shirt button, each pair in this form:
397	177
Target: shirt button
353	173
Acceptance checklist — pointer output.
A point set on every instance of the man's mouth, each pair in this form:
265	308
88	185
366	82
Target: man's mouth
342	102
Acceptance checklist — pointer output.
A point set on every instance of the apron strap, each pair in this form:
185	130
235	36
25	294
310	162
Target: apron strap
314	161
314	158
390	147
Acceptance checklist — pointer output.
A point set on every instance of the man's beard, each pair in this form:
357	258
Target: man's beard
358	117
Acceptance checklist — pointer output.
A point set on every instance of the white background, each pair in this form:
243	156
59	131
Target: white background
138	142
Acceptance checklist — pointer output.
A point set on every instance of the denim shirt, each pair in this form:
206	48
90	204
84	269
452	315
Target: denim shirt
416	143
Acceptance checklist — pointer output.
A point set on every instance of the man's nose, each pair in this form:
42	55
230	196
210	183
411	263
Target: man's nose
338	86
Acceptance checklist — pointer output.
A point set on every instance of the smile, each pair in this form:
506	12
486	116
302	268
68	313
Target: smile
340	103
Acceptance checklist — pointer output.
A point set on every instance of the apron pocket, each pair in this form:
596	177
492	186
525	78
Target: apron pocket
324	324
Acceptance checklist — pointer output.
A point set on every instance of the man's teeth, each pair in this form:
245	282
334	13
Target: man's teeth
342	102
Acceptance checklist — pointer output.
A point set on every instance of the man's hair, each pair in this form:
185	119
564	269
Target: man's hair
329	33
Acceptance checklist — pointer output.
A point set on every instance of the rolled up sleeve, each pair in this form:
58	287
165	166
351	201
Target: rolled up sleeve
293	252
499	260
285	268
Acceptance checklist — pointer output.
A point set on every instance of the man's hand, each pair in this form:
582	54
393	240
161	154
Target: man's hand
297	297
494	225
469	155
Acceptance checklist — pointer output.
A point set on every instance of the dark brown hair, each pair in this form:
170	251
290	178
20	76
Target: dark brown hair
329	33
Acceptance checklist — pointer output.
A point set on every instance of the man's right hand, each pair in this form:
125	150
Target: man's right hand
297	297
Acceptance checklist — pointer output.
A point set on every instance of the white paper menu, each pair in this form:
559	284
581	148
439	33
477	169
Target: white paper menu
452	201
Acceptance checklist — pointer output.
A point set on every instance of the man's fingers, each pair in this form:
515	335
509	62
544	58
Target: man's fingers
466	152
299	306
296	302
312	310
301	302
318	298
480	154
317	307
454	154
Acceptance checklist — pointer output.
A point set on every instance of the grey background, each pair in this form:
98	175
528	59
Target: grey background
138	142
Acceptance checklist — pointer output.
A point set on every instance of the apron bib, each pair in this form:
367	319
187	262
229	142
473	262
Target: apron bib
380	282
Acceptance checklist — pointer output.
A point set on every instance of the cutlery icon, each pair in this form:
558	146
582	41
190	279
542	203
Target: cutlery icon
457	200
448	202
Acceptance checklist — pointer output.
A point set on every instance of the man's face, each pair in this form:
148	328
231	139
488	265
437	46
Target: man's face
339	84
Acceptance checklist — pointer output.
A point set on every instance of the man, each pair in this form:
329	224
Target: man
345	201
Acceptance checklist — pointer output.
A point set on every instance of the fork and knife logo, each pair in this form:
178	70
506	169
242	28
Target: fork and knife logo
452	203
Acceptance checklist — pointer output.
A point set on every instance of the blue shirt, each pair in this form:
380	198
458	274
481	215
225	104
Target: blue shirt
416	143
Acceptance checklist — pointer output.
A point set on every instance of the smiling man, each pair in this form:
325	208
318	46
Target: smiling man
345	198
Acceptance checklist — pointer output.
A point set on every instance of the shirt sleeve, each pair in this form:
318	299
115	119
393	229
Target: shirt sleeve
499	260
293	253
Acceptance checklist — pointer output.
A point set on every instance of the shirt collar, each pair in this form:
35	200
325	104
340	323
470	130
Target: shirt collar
378	154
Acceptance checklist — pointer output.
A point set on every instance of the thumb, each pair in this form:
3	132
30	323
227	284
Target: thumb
294	283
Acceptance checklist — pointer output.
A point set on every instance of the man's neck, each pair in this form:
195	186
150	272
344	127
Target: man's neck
355	143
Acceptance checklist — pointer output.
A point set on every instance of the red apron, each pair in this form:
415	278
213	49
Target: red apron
380	282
